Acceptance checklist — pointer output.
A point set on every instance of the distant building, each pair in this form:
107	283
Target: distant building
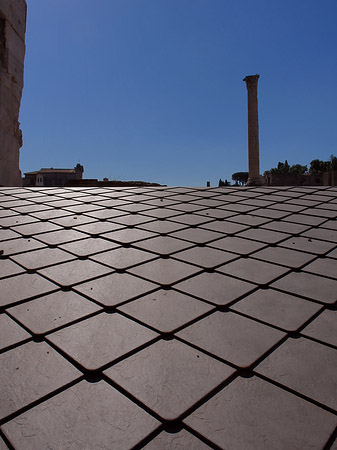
53	177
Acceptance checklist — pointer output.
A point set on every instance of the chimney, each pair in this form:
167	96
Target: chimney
253	132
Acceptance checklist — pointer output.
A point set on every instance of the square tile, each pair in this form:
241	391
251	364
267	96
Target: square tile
323	328
131	219
197	235
20	245
10	332
166	385
322	233
322	266
237	245
308	245
283	256
277	308
74	418
253	414
61	237
116	288
224	227
129	235
166	310
99	340
73	272
24	287
268	236
297	364
52	311
8	268
164	271
215	288
5	235
205	256
98	227
162	226
41	258
234	338
37	369
314	287
90	246
163	245
123	258
285	227
255	271
30	229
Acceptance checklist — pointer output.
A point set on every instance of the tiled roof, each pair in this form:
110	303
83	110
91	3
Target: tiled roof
168	318
51	170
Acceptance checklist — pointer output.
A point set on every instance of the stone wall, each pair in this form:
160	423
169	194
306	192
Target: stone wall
13	15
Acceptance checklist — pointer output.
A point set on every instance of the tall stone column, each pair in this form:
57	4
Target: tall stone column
253	131
12	54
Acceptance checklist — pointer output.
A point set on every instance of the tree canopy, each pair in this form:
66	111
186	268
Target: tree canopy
240	178
286	168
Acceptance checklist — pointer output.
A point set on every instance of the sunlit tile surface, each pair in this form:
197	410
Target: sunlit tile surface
168	318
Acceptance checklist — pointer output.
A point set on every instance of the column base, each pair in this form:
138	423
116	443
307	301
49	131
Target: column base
257	181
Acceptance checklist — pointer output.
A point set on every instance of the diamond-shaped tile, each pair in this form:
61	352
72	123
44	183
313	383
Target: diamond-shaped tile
166	310
42	258
277	308
8	268
90	246
215	287
122	258
253	414
283	256
197	235
317	288
101	339
129	235
323	328
35	228
163	245
79	418
232	337
164	271
23	287
10	332
164	382
308	245
51	311
15	246
96	228
37	369
73	272
297	364
205	256
252	270
237	245
323	266
60	237
116	288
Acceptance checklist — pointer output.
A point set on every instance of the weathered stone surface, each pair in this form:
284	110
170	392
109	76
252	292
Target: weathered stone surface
12	54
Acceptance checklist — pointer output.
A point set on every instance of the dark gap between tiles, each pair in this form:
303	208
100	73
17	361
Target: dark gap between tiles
298	394
331	440
40	400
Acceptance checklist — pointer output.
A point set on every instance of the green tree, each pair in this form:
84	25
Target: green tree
297	168
240	178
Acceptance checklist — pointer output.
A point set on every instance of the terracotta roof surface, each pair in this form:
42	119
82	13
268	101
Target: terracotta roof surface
168	318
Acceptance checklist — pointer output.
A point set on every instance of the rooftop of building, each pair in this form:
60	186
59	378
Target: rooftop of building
168	318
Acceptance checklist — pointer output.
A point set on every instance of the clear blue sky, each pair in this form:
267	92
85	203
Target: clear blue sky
152	90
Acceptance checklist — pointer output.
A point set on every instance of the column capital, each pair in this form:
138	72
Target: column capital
251	81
